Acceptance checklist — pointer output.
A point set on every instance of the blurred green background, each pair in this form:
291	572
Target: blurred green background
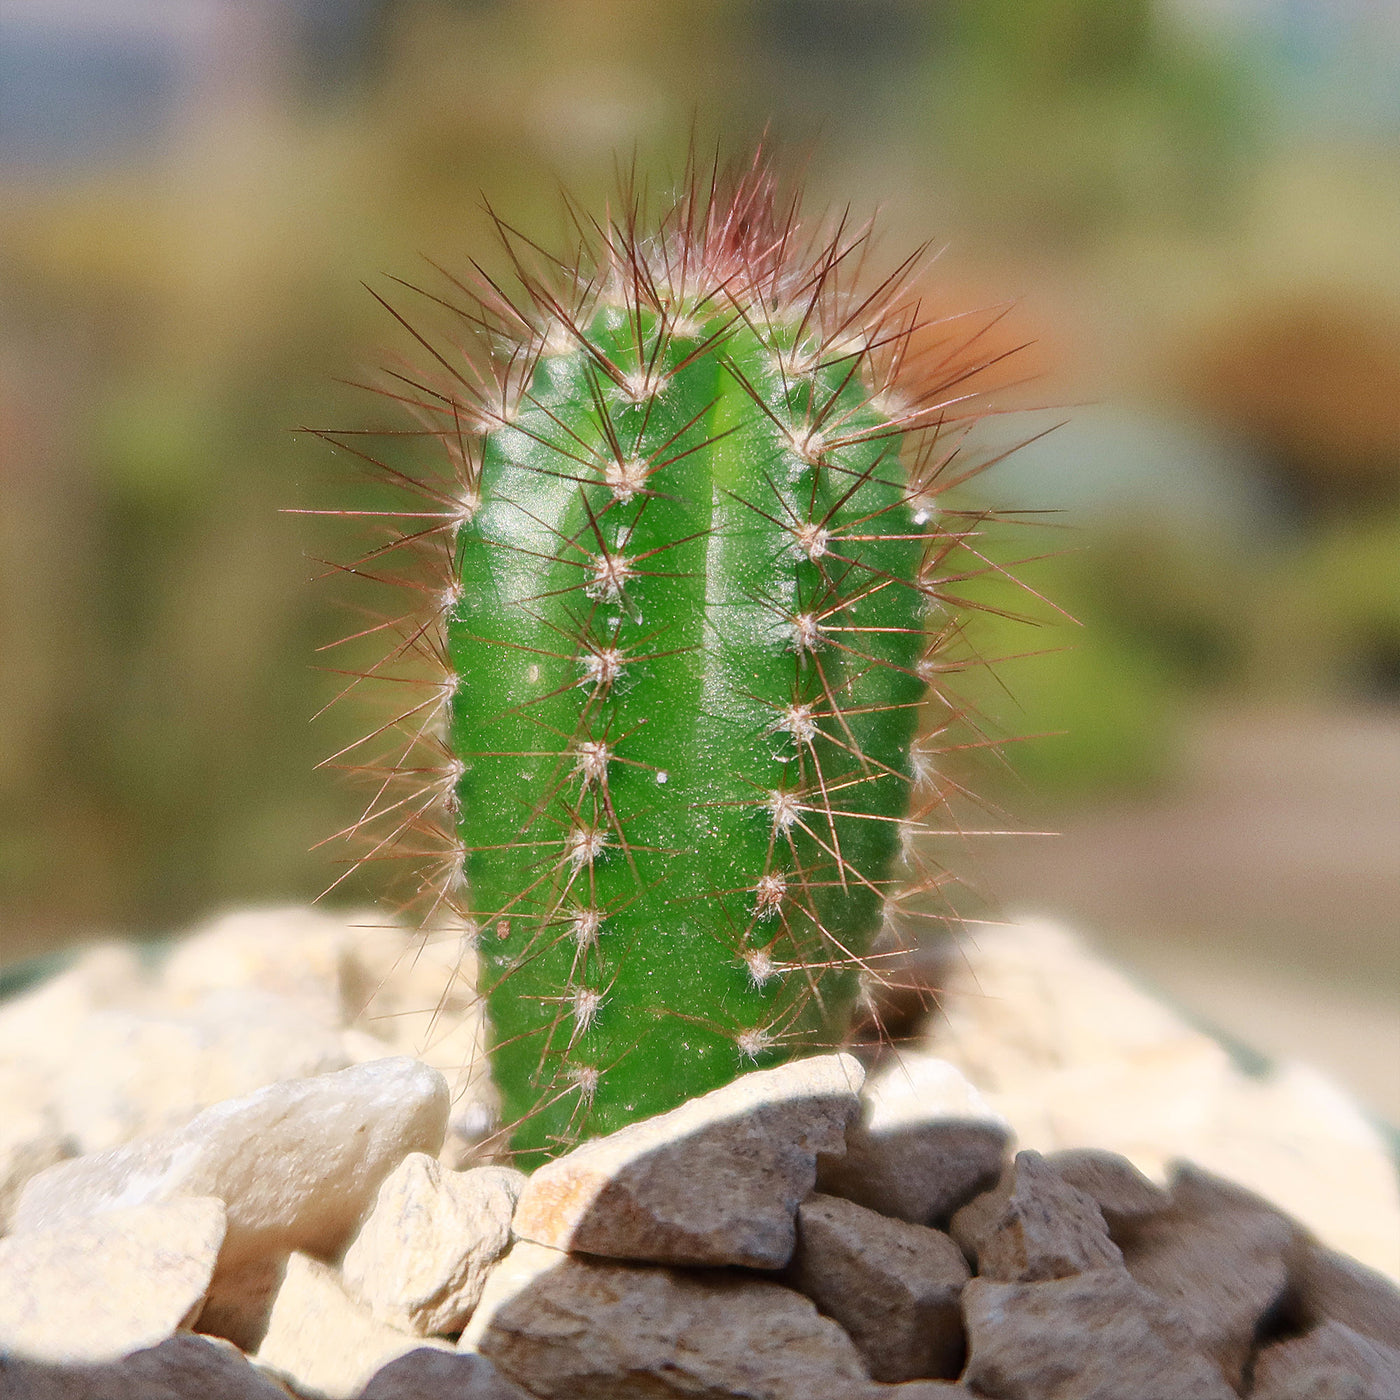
1191	209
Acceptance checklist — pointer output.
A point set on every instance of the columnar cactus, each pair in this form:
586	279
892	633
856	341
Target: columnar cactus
687	552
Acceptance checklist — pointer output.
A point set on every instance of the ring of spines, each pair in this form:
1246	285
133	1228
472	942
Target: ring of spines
682	591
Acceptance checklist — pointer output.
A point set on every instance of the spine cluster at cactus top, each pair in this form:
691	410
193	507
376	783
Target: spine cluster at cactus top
689	596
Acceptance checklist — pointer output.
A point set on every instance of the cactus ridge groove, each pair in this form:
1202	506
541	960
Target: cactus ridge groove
682	590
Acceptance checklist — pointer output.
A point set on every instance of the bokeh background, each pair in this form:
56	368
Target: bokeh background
1189	208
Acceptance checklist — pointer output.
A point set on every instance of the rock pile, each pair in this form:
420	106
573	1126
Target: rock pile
798	1235
120	1045
1072	1053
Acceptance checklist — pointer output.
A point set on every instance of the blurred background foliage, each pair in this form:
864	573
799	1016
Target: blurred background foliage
1189	207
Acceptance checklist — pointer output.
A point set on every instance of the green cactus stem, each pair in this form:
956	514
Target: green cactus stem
688	553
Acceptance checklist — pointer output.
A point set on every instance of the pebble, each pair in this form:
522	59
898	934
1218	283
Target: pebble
416	993
323	1343
920	1390
387	990
426	1374
30	1136
125	1043
1095	1336
1219	1257
1034	1225
296	955
568	1327
183	1367
140	1073
925	1142
297	1164
41	1028
41	1041
1329	1363
93	1290
240	1299
1123	1194
893	1286
1327	1286
420	1261
715	1181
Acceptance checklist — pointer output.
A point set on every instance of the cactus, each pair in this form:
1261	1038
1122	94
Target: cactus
678	549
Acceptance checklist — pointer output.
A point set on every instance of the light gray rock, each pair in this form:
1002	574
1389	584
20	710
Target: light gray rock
30	1135
296	955
715	1181
1094	1336
421	1259
893	1286
240	1299
1034	1226
40	1027
570	1328
296	1163
436	1375
1121	1192
386	990
135	1073
925	1143
1329	1363
94	1290
415	991
321	1342
185	1367
42	1032
1218	1256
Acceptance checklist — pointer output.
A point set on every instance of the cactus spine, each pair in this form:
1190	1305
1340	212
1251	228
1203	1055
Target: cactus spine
686	552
